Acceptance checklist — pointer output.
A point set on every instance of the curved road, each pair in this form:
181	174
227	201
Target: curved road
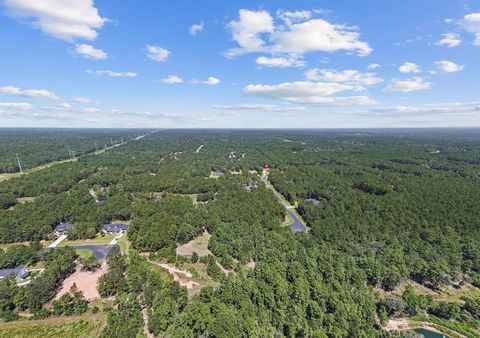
297	225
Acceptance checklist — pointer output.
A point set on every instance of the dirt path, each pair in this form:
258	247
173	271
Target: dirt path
184	278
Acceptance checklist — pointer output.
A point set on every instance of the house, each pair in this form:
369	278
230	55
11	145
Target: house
20	272
62	228
111	228
266	166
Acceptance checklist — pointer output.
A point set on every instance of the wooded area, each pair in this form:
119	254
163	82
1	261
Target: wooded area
394	207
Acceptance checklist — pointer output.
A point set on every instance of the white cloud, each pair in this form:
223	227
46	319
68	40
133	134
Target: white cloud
90	52
471	23
450	40
112	73
407	85
436	108
308	92
318	35
373	66
211	81
297	34
66	20
247	29
64	105
409	67
16	105
172	79
448	66
279	62
89	110
32	93
196	28
259	106
157	53
291	17
349	76
82	100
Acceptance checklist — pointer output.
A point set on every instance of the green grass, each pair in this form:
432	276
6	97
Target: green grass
84	253
59	327
99	239
124	243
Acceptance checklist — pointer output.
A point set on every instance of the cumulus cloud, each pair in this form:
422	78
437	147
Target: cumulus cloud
90	52
471	23
349	76
296	34
31	93
291	17
112	73
157	53
172	79
407	85
308	92
66	20
449	40
247	29
196	28
211	81
16	105
279	62
373	66
259	106
409	67
448	66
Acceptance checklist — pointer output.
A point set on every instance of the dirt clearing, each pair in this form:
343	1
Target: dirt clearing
86	282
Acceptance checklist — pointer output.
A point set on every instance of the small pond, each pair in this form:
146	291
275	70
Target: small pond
429	334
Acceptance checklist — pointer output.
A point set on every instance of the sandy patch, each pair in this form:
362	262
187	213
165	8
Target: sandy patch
184	278
86	282
198	245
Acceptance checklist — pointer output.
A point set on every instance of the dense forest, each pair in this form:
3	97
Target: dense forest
35	147
384	210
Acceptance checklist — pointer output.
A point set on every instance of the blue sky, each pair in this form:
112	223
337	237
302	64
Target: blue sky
248	64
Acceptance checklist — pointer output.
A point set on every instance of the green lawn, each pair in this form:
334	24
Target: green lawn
84	253
61	327
99	239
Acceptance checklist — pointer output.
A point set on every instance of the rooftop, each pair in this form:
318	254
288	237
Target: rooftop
19	271
114	227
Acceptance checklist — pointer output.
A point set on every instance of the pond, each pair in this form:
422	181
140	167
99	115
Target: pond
429	334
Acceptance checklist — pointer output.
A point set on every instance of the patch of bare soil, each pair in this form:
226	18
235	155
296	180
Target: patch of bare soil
184	278
85	281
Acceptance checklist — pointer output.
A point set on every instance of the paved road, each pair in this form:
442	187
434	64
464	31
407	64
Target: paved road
100	251
57	241
297	225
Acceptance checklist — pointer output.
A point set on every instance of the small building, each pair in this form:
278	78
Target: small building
20	272
114	228
62	228
266	166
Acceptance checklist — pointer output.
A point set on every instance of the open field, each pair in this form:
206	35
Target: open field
198	245
99	239
85	326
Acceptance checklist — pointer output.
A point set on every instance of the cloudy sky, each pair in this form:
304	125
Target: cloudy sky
240	64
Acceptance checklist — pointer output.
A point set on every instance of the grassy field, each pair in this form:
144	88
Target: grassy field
59	327
198	245
124	243
84	253
99	239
